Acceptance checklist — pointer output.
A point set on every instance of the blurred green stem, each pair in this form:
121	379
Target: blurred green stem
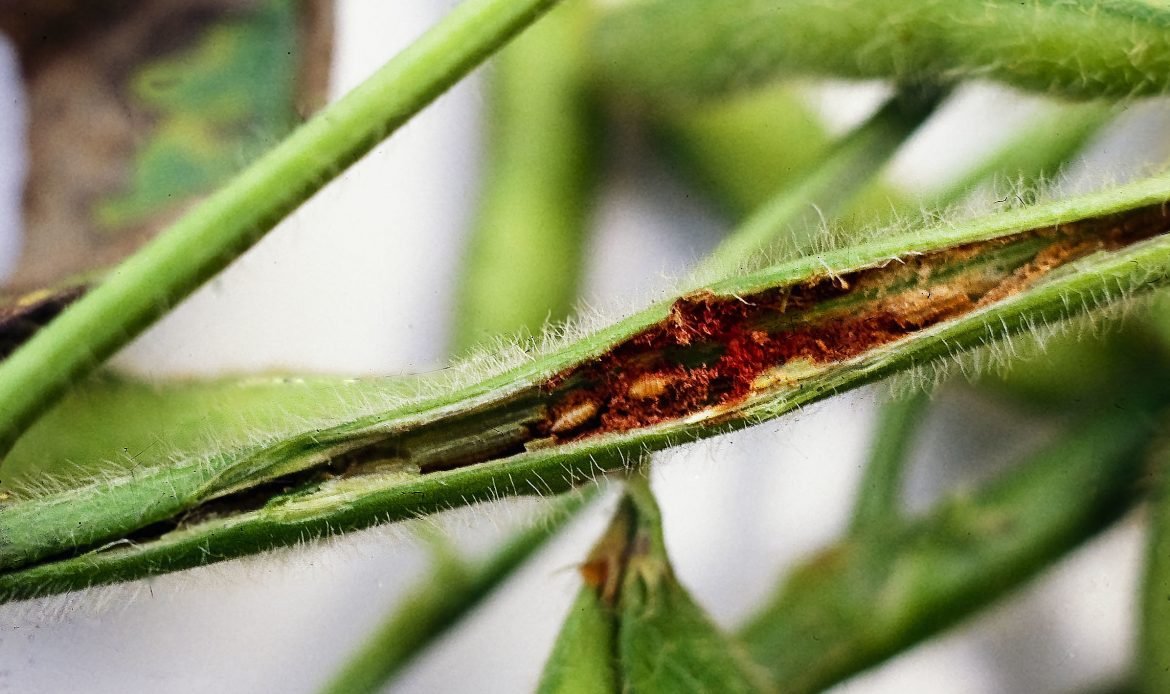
879	494
890	586
451	590
1154	645
742	150
671	51
1032	156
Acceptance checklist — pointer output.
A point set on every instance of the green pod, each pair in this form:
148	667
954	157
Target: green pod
701	48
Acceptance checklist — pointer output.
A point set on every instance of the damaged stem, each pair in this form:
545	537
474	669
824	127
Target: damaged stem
735	353
208	238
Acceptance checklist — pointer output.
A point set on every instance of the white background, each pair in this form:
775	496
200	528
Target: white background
361	281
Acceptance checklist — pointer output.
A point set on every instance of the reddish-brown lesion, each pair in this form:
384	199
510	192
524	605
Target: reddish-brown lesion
710	349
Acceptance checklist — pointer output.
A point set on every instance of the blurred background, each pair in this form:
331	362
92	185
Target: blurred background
362	280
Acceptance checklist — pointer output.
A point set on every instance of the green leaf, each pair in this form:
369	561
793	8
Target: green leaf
220	102
635	624
582	659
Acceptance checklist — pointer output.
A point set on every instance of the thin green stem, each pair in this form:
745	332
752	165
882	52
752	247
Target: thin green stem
742	150
888	587
204	241
795	214
880	492
702	48
450	591
1154	644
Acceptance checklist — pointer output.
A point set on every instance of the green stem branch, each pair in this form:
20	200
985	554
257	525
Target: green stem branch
888	587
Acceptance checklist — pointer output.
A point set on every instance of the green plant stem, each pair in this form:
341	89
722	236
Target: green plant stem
702	48
582	660
204	241
880	491
666	642
528	233
794	214
478	443
524	259
742	149
1154	644
451	590
888	587
1030	158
